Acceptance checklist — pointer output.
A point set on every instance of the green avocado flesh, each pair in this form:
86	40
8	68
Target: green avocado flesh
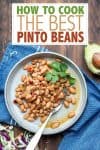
89	51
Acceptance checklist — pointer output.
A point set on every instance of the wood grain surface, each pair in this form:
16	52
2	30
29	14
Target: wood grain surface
76	53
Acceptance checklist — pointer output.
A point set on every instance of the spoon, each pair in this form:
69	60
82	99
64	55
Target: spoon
34	141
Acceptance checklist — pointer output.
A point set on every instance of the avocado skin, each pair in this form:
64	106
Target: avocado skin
89	51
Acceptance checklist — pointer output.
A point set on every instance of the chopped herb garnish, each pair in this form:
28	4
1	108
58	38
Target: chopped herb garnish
55	65
54	79
52	76
59	71
48	76
58	66
72	80
63	74
54	72
63	67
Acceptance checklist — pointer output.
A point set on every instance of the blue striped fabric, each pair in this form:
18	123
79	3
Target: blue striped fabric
12	55
85	133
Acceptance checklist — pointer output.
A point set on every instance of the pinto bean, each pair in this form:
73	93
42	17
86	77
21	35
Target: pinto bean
18	101
72	90
61	95
55	105
71	114
48	105
73	101
55	124
26	116
42	119
30	119
22	108
66	104
28	96
38	101
69	100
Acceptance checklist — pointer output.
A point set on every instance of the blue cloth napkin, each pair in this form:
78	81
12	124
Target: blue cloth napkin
85	134
12	55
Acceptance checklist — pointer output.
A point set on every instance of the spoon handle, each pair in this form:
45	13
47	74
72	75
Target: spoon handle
34	141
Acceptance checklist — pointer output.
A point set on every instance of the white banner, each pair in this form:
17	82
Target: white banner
50	24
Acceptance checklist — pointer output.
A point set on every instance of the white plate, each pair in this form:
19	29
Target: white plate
13	80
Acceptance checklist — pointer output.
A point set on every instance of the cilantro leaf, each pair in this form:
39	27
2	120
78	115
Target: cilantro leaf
54	72
52	76
54	79
58	66
63	74
72	80
55	65
48	76
63	66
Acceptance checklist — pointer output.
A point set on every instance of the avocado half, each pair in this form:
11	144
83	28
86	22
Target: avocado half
90	50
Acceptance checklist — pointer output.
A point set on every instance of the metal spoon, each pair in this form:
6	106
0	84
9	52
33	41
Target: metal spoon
34	141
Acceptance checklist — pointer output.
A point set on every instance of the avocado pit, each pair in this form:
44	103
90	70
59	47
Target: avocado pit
96	60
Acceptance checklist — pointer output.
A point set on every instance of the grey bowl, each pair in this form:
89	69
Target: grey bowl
13	80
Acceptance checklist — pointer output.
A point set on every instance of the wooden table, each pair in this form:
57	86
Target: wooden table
75	53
